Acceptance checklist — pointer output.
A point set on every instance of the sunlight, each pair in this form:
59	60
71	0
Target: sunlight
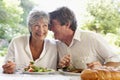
78	6
13	2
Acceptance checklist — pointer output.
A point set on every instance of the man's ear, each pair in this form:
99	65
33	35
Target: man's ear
67	25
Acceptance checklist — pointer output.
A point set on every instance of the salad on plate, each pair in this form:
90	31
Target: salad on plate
32	69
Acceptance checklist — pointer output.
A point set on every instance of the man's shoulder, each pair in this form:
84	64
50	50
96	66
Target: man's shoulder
87	32
50	41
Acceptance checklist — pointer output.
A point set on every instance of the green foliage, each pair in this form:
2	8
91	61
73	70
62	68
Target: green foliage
27	5
113	39
13	12
9	17
3	51
106	17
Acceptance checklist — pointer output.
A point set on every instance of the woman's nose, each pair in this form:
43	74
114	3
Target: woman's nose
40	28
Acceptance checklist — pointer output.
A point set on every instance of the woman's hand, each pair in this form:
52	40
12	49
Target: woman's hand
93	65
65	61
9	67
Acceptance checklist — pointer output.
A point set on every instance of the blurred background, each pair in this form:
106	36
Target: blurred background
100	16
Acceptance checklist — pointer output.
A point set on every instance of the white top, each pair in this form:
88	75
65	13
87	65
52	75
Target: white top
19	52
86	47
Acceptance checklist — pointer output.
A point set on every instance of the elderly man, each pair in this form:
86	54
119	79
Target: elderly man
78	47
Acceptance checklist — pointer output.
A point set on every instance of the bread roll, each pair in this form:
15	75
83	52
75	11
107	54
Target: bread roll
86	74
105	73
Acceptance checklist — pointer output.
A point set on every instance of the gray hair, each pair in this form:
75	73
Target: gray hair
64	15
34	16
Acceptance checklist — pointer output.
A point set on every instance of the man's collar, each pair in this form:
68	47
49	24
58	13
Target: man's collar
77	35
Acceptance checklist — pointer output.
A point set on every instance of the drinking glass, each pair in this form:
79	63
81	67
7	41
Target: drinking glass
81	62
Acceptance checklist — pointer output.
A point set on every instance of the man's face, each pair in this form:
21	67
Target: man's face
57	29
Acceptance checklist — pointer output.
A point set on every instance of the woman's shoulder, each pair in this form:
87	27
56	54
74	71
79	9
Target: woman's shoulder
20	38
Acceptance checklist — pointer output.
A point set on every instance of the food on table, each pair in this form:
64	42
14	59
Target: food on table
102	73
32	68
72	69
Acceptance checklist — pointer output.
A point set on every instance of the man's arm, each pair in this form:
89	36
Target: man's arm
112	64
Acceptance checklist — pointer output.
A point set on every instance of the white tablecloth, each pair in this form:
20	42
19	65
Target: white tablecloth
20	76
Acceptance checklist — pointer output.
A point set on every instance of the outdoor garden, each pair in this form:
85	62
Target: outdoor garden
101	16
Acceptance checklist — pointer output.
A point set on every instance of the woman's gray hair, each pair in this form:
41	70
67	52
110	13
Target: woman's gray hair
36	14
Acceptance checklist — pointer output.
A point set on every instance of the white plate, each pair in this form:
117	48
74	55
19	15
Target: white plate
39	73
68	73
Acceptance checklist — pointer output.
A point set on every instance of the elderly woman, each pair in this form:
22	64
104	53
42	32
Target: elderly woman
34	47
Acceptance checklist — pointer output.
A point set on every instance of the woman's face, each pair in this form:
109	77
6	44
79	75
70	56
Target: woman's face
39	30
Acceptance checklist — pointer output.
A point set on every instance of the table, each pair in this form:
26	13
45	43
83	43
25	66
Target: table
20	76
